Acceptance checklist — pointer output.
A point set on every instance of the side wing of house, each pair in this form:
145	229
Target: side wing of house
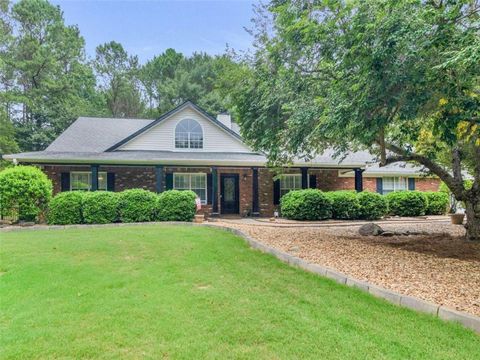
176	132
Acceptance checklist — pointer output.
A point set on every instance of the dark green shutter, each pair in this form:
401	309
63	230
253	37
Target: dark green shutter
411	183
209	189
65	181
110	181
169	181
313	181
380	185
276	192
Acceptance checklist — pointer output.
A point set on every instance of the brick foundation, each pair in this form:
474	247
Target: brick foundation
128	177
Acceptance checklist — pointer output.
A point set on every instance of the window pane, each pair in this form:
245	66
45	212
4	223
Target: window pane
80	181
180	181
195	182
401	184
188	134
102	181
388	183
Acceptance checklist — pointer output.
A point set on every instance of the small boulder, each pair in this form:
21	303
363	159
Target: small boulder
370	229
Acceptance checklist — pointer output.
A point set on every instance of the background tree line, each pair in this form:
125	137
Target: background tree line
47	81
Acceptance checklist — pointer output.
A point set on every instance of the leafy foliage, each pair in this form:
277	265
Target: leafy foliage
117	75
345	204
137	205
66	208
407	203
373	206
308	204
24	190
175	205
399	78
45	81
172	78
437	202
100	207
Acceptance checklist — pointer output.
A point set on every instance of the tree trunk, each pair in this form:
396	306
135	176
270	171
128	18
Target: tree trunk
473	219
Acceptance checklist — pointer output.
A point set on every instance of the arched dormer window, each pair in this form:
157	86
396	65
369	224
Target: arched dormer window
188	135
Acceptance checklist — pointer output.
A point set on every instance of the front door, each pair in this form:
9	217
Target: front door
229	194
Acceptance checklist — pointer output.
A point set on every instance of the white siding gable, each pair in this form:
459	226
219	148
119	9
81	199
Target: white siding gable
162	135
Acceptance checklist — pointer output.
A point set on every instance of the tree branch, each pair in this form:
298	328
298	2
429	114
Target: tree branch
454	184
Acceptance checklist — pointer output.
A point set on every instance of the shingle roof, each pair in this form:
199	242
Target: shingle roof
89	134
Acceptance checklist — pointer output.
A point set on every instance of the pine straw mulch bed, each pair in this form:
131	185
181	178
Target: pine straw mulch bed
441	267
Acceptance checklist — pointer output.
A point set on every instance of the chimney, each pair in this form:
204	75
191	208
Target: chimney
225	119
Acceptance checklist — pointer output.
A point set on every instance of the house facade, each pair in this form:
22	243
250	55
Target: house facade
187	148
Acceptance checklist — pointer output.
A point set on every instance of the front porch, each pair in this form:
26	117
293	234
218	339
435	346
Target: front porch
224	190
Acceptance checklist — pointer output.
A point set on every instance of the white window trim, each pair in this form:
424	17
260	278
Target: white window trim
295	188
204	202
189	149
405	179
89	173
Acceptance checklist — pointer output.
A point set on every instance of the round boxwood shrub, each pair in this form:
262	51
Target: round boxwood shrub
308	204
24	190
372	205
407	203
100	207
345	204
137	205
66	208
176	205
437	202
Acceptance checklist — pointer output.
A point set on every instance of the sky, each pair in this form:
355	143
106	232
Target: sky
147	28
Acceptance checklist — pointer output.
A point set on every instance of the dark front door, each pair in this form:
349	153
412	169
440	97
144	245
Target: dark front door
229	194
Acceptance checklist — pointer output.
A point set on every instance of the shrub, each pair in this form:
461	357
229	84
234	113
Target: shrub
372	205
437	202
407	203
66	208
100	207
176	205
309	204
137	205
25	190
345	204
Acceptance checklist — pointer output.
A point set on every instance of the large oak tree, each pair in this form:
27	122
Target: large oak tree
400	78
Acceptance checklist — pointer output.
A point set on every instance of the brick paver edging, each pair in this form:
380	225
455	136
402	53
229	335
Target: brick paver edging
467	320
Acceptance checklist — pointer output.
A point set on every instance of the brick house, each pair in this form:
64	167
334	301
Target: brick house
187	148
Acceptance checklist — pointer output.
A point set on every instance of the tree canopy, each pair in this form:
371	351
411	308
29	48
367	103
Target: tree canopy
399	78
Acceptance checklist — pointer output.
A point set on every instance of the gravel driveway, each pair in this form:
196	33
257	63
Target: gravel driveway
440	267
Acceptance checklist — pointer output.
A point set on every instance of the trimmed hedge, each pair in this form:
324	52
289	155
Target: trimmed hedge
100	207
137	205
345	204
308	204
437	203
24	190
66	208
373	206
176	205
407	203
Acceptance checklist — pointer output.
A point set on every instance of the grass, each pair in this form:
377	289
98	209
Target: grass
190	293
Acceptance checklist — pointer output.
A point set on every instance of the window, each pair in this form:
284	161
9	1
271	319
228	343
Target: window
188	135
394	184
290	182
195	182
82	180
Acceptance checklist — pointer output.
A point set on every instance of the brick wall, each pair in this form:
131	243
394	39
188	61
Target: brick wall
127	177
427	184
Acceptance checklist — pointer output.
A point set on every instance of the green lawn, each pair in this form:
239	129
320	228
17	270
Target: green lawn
192	293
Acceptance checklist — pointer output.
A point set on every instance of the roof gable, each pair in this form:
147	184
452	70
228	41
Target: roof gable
159	135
